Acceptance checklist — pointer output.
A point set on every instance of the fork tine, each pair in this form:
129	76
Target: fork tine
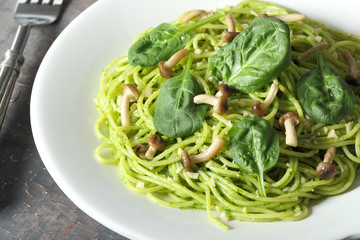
58	2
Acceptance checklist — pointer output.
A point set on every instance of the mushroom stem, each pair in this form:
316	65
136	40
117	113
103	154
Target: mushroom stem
258	108
209	153
150	153
166	68
290	132
130	93
288	122
219	103
309	52
349	61
353	76
195	13
270	97
206	98
292	17
176	58
230	34
230	23
330	154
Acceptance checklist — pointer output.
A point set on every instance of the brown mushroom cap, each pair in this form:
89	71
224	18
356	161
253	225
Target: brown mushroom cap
225	90
165	71
256	109
325	170
221	105
141	149
130	91
227	36
288	115
186	162
296	61
156	142
353	79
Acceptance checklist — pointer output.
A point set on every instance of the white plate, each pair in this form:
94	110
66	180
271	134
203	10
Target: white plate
63	115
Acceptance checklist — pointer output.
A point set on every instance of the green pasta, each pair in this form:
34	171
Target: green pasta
219	185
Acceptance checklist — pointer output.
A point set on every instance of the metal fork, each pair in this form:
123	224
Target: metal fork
28	13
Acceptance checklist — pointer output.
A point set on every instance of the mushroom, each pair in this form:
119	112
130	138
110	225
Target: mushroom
291	17
208	154
129	94
326	169
186	161
353	77
308	52
219	103
230	34
195	13
156	143
166	68
258	108
141	149
288	122
224	90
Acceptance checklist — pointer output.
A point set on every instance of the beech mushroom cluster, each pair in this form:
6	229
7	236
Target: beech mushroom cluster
288	122
353	76
165	68
230	34
326	169
129	94
219	101
156	143
258	108
308	52
215	147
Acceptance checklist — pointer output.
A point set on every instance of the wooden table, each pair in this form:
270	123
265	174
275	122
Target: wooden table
32	206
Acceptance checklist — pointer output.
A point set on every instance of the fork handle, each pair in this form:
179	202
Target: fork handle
10	68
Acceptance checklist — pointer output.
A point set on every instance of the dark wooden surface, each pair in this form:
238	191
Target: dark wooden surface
32	206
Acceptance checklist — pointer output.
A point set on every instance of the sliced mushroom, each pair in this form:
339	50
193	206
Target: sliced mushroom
195	13
308	52
208	154
156	143
288	122
230	34
353	77
166	68
326	169
219	103
258	108
129	94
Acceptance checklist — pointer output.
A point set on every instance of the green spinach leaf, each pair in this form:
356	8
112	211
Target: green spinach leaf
176	114
256	56
162	42
324	96
254	146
